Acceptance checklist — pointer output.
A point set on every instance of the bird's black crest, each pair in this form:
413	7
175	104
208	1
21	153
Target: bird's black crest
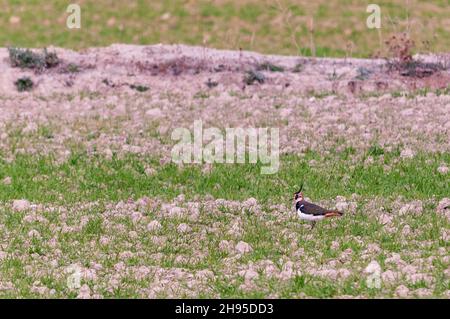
299	191
301	188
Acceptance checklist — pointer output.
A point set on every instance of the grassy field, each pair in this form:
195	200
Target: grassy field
77	220
88	187
321	28
135	226
83	177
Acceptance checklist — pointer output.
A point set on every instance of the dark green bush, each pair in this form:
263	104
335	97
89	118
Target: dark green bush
254	76
27	59
24	84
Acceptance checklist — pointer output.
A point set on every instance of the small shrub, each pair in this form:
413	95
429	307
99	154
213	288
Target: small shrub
363	74
298	67
419	69
72	68
24	58
401	60
211	84
24	84
108	83
50	58
400	47
139	88
268	66
27	59
254	76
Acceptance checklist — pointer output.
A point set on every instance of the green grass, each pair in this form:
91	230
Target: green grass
264	240
83	200
95	178
267	26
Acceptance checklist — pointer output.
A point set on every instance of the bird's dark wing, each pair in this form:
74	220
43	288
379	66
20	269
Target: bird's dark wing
310	209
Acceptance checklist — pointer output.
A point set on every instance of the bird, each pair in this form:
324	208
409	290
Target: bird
311	212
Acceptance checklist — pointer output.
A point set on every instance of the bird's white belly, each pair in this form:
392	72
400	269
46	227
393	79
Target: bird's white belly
308	216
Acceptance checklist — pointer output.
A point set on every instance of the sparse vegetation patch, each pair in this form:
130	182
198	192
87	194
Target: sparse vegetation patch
139	87
24	84
402	61
268	66
27	59
253	76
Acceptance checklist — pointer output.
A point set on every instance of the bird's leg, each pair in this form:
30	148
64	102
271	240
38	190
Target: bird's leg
313	224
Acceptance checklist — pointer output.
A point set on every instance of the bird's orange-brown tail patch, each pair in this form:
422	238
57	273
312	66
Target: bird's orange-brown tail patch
333	213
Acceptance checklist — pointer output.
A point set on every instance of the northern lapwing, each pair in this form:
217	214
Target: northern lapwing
311	212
